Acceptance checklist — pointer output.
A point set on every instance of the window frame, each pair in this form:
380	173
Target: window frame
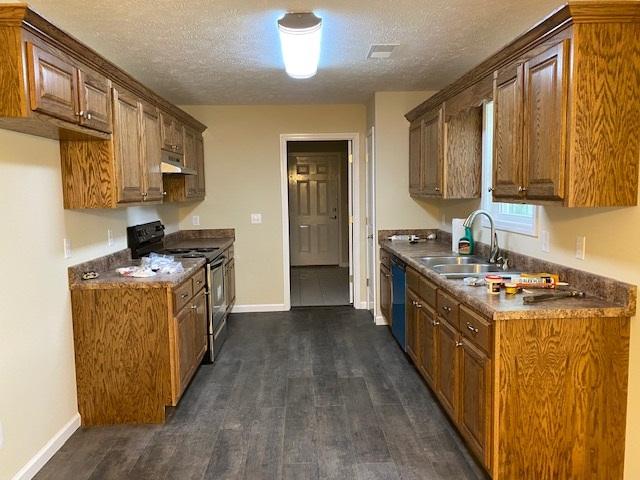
503	221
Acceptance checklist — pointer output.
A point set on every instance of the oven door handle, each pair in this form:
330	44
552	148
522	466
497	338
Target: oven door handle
218	262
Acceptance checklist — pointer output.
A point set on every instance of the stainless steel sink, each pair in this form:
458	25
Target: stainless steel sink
431	262
467	269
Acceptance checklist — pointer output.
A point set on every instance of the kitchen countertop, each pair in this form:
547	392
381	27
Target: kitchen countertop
112	279
503	307
109	278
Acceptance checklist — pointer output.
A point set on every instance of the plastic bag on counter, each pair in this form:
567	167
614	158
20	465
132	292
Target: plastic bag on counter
162	263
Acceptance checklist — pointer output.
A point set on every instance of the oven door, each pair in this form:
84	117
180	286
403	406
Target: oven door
217	296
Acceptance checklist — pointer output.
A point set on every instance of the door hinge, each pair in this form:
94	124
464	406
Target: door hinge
367	282
350	219
350	158
350	278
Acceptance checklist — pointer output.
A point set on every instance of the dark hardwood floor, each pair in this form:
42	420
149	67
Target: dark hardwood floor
318	393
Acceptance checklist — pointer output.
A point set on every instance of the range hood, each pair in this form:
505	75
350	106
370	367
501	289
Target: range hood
172	163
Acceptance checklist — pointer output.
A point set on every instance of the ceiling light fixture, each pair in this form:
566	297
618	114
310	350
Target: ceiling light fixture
300	35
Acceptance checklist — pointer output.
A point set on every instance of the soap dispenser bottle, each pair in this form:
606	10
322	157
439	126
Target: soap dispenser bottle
465	244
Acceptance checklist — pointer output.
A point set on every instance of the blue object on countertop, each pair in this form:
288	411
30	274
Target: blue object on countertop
398	294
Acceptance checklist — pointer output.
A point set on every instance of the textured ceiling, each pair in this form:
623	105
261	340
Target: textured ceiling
227	51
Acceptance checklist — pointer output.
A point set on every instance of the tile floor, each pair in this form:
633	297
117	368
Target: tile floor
319	286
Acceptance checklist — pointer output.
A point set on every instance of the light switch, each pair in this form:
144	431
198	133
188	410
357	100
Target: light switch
256	218
67	248
544	240
581	241
195	220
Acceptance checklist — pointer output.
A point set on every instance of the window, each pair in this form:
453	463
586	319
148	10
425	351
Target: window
510	217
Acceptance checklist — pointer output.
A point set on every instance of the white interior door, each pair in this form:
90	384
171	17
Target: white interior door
313	208
370	221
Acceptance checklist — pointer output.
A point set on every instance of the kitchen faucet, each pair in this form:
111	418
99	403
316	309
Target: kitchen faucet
494	256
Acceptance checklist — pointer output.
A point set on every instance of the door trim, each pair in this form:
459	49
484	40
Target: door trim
370	214
355	235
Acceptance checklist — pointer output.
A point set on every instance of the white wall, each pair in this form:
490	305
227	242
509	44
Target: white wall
37	373
242	155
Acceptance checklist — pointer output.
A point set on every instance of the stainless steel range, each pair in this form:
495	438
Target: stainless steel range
149	237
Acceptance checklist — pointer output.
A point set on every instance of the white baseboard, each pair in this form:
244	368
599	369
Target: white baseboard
360	306
273	307
380	320
34	465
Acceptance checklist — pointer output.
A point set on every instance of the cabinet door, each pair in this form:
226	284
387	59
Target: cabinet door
190	161
53	84
447	385
151	153
127	148
475	399
546	88
200	180
432	154
415	157
171	134
413	306
95	101
200	327
185	343
507	132
385	293
428	328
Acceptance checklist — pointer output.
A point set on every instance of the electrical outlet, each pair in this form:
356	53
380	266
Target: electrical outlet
256	218
109	237
544	239
195	220
1	436
67	248
581	241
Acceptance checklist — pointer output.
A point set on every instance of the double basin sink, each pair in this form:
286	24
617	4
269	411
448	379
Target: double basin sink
460	267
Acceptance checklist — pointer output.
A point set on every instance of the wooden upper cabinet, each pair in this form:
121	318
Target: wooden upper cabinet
507	131
432	154
415	157
53	84
172	135
201	185
190	161
546	94
151	152
94	101
127	146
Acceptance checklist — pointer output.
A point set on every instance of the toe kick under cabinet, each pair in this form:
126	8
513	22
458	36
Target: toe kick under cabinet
533	398
137	349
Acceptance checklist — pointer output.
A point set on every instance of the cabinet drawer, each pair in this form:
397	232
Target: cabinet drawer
182	294
448	308
428	292
413	280
475	328
198	281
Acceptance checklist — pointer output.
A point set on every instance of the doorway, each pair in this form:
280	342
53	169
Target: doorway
318	207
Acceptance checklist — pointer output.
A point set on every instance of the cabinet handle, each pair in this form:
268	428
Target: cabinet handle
446	309
522	189
184	295
458	344
471	328
435	323
437	189
194	307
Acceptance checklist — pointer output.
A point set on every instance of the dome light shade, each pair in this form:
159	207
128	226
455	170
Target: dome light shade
300	36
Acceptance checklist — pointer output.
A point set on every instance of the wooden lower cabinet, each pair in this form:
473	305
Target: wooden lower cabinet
538	398
474	418
412	306
447	384
385	292
136	349
427	345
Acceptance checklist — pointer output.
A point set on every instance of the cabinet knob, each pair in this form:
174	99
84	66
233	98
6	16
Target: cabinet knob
184	295
435	323
81	113
522	189
194	307
490	189
458	344
88	116
437	189
446	309
418	305
164	194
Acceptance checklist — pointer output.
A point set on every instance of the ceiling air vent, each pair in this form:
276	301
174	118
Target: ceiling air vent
382	50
